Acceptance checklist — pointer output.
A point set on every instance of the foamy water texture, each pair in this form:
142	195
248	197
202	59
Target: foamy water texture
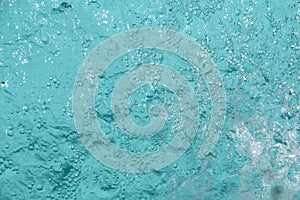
136	100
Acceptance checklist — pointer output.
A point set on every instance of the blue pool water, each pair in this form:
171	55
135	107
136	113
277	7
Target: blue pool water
243	99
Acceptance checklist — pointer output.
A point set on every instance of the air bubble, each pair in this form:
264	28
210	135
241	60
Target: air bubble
55	149
39	187
30	186
25	108
31	147
4	84
9	131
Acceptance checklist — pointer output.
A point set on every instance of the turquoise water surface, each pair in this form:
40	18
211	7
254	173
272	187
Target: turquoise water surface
242	103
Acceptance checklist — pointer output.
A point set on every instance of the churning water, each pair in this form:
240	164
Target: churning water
130	100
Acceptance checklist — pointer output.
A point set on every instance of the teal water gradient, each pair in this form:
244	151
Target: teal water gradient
255	46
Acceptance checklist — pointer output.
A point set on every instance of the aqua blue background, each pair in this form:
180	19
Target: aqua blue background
255	45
